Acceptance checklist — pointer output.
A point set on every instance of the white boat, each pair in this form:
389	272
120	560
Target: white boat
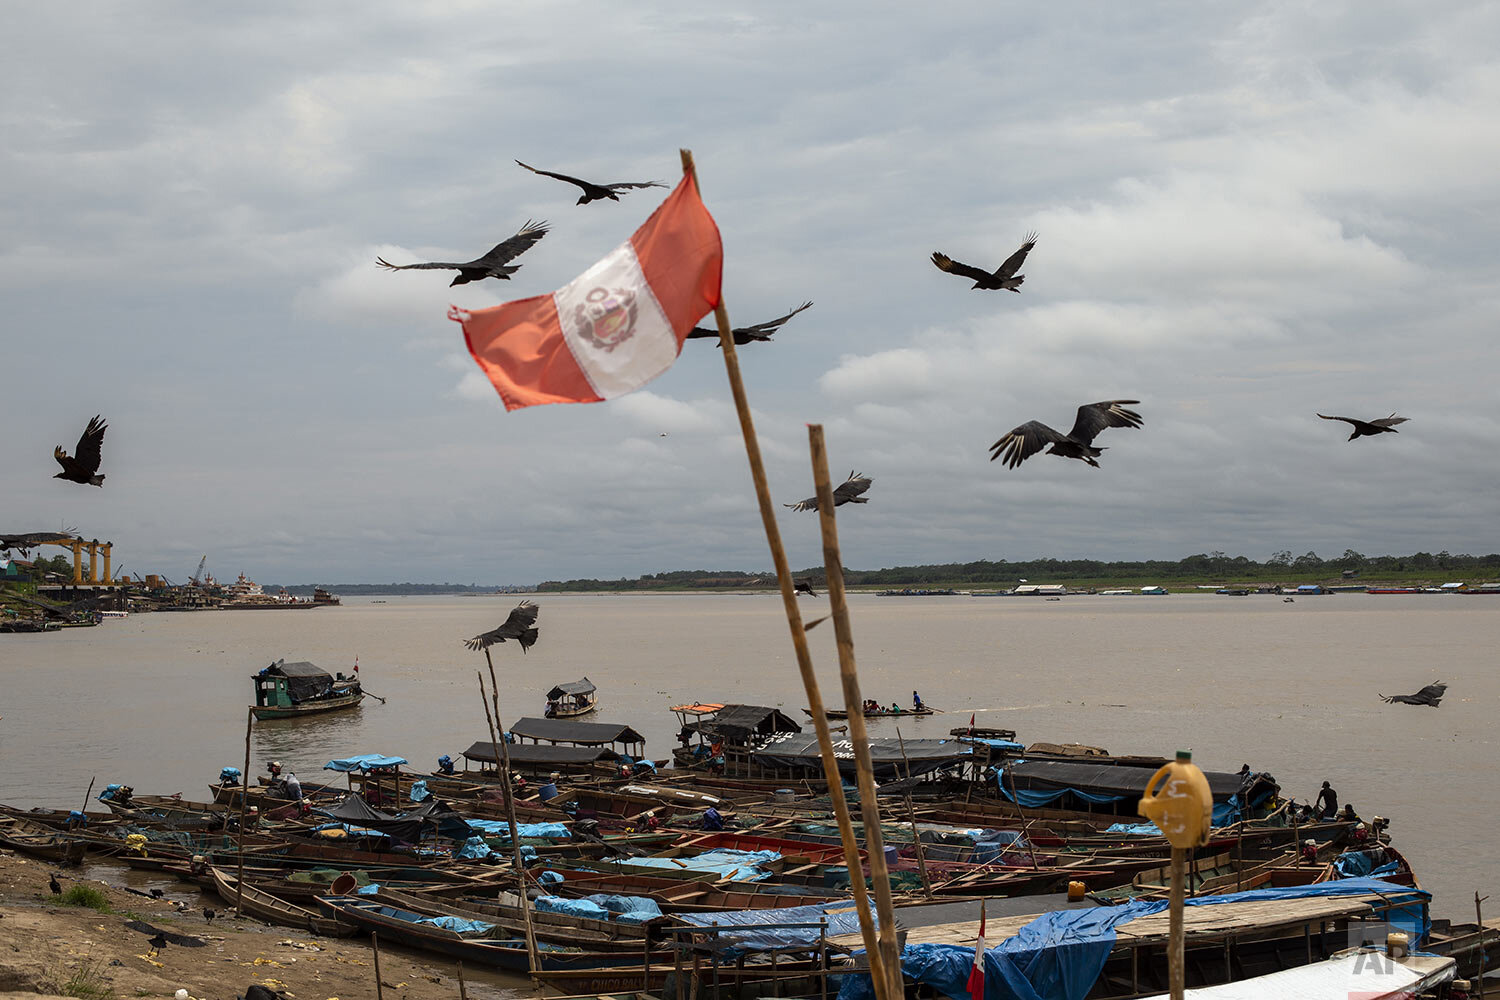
1368	974
114	614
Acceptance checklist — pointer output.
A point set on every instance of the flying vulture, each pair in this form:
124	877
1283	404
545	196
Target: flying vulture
804	585
1369	428
596	192
846	492
1005	275
25	543
1432	694
1031	437
83	467
520	626
744	334
491	265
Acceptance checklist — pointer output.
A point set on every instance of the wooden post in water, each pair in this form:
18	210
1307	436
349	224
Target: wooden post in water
1479	920
849	676
799	634
502	761
375	944
85	807
239	886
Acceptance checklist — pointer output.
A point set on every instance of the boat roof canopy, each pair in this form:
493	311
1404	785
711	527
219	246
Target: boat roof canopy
483	752
890	758
578	733
584	686
364	762
304	680
1102	779
741	722
707	708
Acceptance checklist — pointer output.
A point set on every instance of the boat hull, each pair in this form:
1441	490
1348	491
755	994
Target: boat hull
308	707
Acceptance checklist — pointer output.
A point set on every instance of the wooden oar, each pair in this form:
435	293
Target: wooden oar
372	694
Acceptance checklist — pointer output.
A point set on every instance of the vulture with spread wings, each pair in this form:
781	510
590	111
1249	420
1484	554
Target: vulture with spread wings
804	585
1369	428
520	626
1031	437
1005	275
596	192
83	465
846	492
491	265
1429	695
744	334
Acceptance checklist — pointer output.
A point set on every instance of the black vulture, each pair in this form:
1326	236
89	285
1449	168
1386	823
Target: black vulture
83	466
54	885
1369	428
744	334
158	942
1005	275
491	265
164	937
1431	695
520	626
209	915
846	492
1031	437
25	543
804	586
592	191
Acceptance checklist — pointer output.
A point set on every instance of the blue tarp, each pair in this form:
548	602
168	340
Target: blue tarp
474	847
501	828
1135	829
419	792
572	907
363	762
1011	745
1033	799
458	924
1058	956
739	866
627	909
550	877
229	775
756	936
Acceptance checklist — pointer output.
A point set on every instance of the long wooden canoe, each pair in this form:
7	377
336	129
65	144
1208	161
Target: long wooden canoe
273	910
40	842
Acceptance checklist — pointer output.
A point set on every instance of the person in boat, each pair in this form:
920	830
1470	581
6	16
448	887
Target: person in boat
551	712
293	787
445	765
685	737
916	702
1349	815
895	708
1327	803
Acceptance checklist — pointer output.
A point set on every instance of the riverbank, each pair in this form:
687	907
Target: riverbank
52	948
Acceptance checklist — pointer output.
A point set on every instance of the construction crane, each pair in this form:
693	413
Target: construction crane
196	578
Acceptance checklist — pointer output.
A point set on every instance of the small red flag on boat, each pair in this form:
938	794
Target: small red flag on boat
976	975
971	723
613	328
356	664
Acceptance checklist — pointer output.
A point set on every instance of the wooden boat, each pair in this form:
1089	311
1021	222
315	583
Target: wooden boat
40	841
570	700
884	713
504	911
274	910
291	690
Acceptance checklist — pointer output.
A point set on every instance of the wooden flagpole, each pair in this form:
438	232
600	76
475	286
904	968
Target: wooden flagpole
502	764
799	638
858	735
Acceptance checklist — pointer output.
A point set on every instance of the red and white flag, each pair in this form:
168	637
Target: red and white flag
615	327
976	974
356	664
971	723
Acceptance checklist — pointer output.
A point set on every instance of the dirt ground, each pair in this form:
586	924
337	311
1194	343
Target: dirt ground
54	949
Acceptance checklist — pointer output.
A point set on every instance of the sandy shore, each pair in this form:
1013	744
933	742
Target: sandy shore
45	946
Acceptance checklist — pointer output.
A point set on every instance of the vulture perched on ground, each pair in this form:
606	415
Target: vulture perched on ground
596	192
1369	428
1432	694
744	334
846	492
1005	275
1031	437
83	466
491	265
804	586
520	626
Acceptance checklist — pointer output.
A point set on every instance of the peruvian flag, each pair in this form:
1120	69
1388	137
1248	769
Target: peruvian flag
971	723
613	328
976	974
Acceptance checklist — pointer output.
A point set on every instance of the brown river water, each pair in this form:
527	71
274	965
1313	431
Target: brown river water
158	701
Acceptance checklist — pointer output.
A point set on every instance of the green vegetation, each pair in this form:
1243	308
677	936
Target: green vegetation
79	894
1190	571
87	982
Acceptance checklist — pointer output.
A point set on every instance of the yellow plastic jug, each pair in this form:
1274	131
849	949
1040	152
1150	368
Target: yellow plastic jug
1179	802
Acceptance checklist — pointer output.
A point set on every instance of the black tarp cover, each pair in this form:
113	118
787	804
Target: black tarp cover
1102	779
801	750
585	734
304	681
584	686
407	826
741	722
483	752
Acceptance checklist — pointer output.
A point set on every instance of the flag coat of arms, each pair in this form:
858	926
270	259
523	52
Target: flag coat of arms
615	327
976	974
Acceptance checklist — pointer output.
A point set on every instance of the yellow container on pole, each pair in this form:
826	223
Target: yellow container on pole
1180	803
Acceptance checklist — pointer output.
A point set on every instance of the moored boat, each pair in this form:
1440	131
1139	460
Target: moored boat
288	690
570	700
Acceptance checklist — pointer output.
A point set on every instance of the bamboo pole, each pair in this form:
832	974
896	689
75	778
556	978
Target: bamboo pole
85	807
239	888
375	944
463	988
502	761
911	814
798	632
858	735
1175	969
1479	921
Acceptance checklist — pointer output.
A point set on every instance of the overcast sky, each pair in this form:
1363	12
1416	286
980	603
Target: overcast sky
1248	214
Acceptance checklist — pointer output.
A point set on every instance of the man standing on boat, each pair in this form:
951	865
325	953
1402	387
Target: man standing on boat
1327	803
916	701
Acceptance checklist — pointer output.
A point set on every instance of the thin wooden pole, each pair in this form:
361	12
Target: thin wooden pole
858	735
1175	969
463	988
1479	920
502	761
916	836
798	632
239	888
85	807
375	944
